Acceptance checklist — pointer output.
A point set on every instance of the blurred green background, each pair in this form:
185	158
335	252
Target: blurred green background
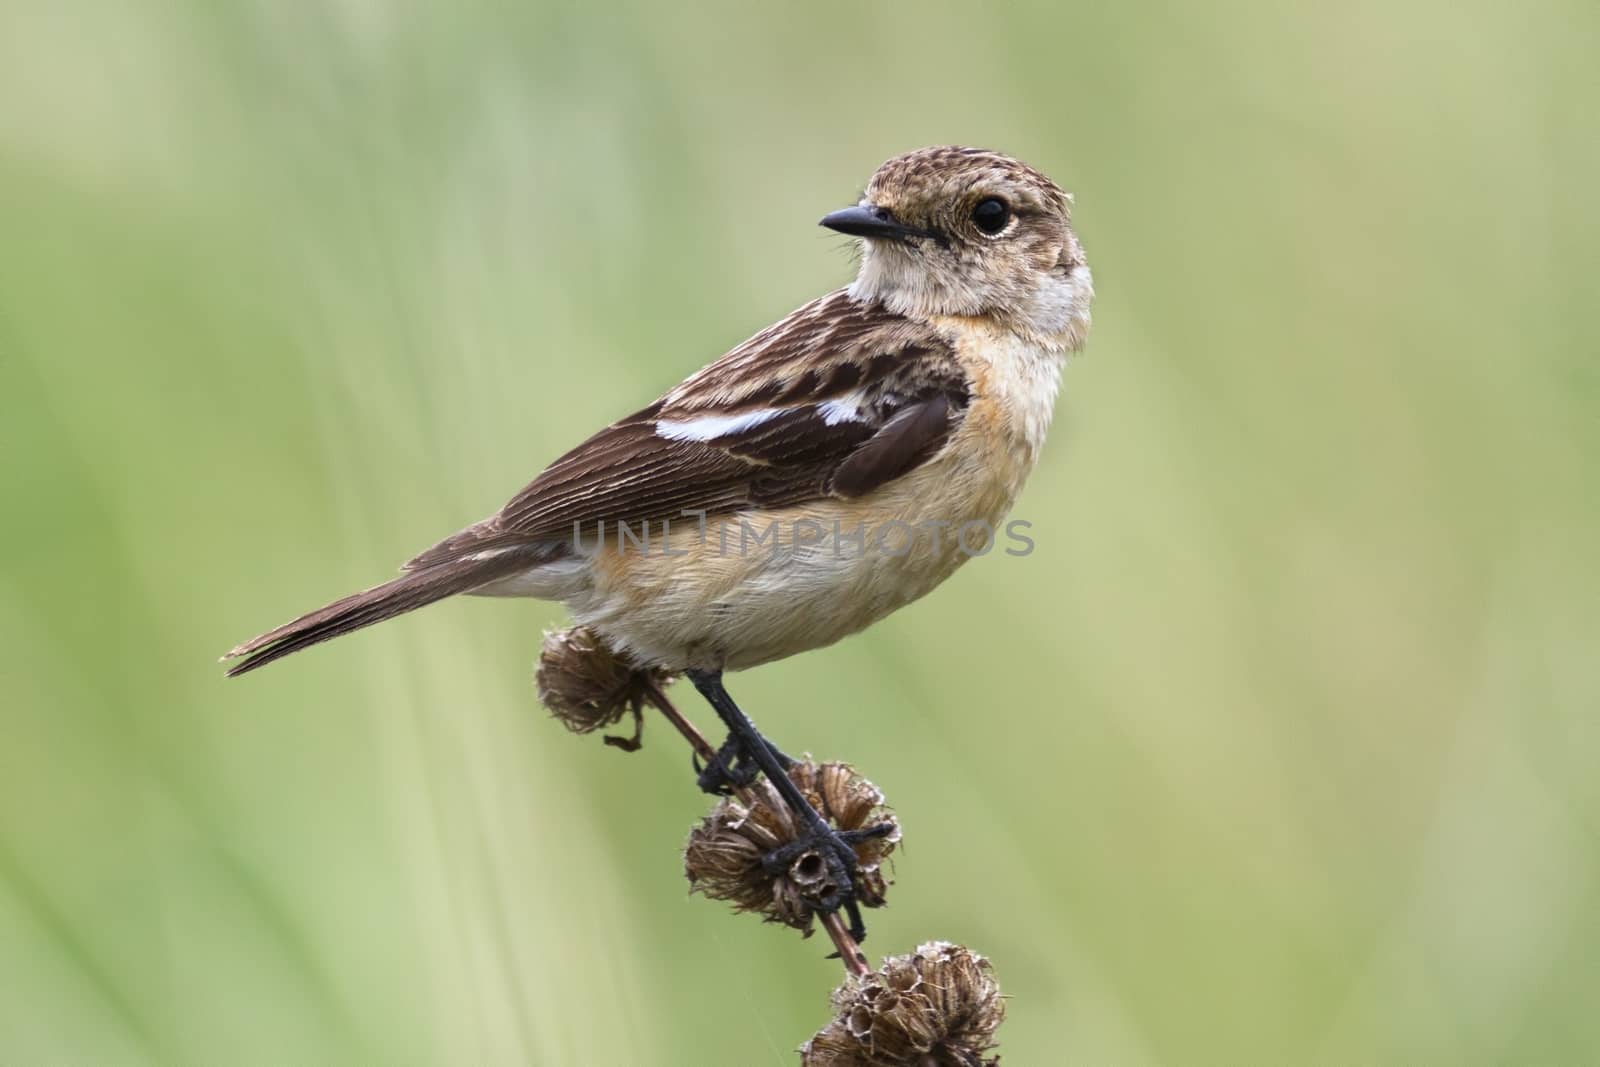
1281	746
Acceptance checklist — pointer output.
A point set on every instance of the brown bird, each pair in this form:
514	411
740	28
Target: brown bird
836	466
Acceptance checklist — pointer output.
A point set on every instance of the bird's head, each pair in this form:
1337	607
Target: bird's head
964	232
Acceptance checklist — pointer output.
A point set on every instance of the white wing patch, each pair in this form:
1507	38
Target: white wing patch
711	427
489	553
845	408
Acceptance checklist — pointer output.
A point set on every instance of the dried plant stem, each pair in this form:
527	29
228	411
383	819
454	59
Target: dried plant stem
691	733
854	960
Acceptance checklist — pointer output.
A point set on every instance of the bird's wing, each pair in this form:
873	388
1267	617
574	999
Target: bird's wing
835	400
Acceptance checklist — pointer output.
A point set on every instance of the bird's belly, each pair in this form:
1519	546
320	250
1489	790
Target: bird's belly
748	589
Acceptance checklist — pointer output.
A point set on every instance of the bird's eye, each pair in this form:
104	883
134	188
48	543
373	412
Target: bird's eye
991	215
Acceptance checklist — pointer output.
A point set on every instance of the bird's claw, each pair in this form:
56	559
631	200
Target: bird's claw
822	864
729	770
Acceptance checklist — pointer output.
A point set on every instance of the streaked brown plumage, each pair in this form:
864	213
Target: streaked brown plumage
922	392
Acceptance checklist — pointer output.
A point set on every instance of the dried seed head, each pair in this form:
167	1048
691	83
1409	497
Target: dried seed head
726	854
588	686
938	1007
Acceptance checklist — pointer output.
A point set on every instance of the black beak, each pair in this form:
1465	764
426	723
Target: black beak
873	222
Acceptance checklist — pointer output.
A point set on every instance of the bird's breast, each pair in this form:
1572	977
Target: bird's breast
738	590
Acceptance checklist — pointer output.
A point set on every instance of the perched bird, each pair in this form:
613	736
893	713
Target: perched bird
834	467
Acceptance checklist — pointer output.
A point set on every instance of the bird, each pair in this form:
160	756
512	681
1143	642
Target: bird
833	468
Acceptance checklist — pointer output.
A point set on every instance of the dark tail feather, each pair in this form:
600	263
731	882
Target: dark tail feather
408	592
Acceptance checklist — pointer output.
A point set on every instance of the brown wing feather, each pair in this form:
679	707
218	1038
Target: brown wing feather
904	376
899	392
823	349
914	434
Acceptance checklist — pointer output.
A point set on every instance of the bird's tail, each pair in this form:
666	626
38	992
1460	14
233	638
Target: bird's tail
412	590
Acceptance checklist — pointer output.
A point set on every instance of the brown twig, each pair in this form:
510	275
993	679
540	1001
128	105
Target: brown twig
690	732
850	954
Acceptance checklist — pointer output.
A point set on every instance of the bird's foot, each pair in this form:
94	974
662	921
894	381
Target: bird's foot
730	769
821	863
734	767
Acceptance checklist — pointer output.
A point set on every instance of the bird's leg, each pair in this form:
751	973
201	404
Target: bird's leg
745	746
